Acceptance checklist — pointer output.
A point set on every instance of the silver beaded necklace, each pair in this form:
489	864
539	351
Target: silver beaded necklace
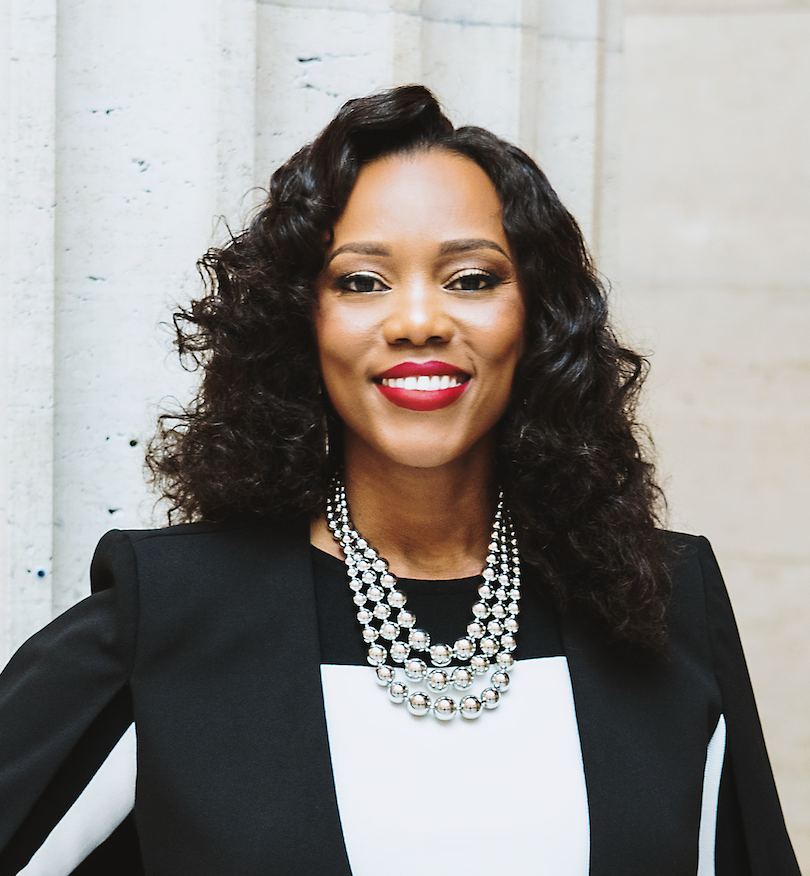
490	637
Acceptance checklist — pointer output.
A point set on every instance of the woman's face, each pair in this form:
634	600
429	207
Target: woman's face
420	314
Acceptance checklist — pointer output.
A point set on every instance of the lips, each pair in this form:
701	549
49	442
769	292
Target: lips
422	386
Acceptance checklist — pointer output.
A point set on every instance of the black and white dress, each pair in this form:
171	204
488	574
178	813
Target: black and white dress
210	709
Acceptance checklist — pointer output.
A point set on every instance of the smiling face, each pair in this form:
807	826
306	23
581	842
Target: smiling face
420	316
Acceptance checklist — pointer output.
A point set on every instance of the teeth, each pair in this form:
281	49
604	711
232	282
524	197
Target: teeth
422	383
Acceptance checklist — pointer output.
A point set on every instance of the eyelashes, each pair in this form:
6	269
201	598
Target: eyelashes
362	283
470	280
473	280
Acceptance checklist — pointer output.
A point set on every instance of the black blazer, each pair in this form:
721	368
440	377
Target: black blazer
190	627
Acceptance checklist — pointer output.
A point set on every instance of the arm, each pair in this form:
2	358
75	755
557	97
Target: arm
66	734
751	837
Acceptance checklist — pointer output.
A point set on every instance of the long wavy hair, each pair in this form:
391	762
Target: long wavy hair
571	455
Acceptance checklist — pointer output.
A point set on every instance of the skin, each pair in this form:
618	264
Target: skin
420	270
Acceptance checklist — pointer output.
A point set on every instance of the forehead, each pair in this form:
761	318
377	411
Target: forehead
435	194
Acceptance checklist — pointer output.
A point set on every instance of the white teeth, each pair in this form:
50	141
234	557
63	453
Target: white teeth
422	383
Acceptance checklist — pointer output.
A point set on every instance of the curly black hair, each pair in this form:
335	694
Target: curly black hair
572	458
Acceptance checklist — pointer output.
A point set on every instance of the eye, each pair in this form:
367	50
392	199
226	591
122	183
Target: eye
473	280
361	283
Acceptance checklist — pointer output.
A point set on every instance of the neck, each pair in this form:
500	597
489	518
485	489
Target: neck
428	523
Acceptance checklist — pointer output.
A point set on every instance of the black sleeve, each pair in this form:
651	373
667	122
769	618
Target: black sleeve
751	837
64	704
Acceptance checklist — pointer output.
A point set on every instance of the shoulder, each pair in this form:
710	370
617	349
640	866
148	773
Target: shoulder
200	552
698	599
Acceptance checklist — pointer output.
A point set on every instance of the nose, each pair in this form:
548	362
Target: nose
417	316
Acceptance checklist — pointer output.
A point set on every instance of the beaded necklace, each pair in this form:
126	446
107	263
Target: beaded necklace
490	636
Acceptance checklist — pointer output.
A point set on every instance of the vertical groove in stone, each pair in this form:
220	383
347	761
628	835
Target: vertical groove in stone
560	53
26	286
236	110
604	237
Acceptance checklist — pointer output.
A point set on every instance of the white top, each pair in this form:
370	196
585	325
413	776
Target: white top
503	793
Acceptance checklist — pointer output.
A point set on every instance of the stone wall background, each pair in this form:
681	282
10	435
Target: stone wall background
675	130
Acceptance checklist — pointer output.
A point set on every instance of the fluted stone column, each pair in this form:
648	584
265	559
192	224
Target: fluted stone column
27	226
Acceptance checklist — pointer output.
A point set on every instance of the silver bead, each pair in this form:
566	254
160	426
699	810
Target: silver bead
370	635
490	698
480	610
388	580
462	677
370	554
488	573
419	640
475	630
406	618
382	611
489	646
500	680
499	611
511	625
376	655
494	628
368	577
397	599
400	651
418	703
444	708
415	668
505	660
364	616
513	608
464	648
397	691
514	594
470	707
359	599
378	565
503	580
389	630
355	583
485	591
385	675
375	594
508	642
437	679
500	594
363	566
440	655
479	664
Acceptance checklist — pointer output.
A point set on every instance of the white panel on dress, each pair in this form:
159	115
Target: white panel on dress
502	794
715	754
104	803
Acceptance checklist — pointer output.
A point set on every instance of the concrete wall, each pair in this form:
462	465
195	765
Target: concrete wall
674	130
714	277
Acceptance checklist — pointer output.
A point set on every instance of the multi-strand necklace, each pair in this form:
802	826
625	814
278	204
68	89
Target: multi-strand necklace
393	638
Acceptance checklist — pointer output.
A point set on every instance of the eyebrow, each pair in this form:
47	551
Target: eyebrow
449	247
374	249
469	244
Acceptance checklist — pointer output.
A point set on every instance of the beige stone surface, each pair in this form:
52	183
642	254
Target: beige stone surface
711	7
714	279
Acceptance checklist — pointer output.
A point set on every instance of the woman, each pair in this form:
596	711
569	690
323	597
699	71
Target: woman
414	416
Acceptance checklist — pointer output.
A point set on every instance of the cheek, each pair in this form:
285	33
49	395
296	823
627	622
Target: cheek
342	338
505	336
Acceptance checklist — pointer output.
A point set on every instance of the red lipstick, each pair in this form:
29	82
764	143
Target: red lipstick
425	398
